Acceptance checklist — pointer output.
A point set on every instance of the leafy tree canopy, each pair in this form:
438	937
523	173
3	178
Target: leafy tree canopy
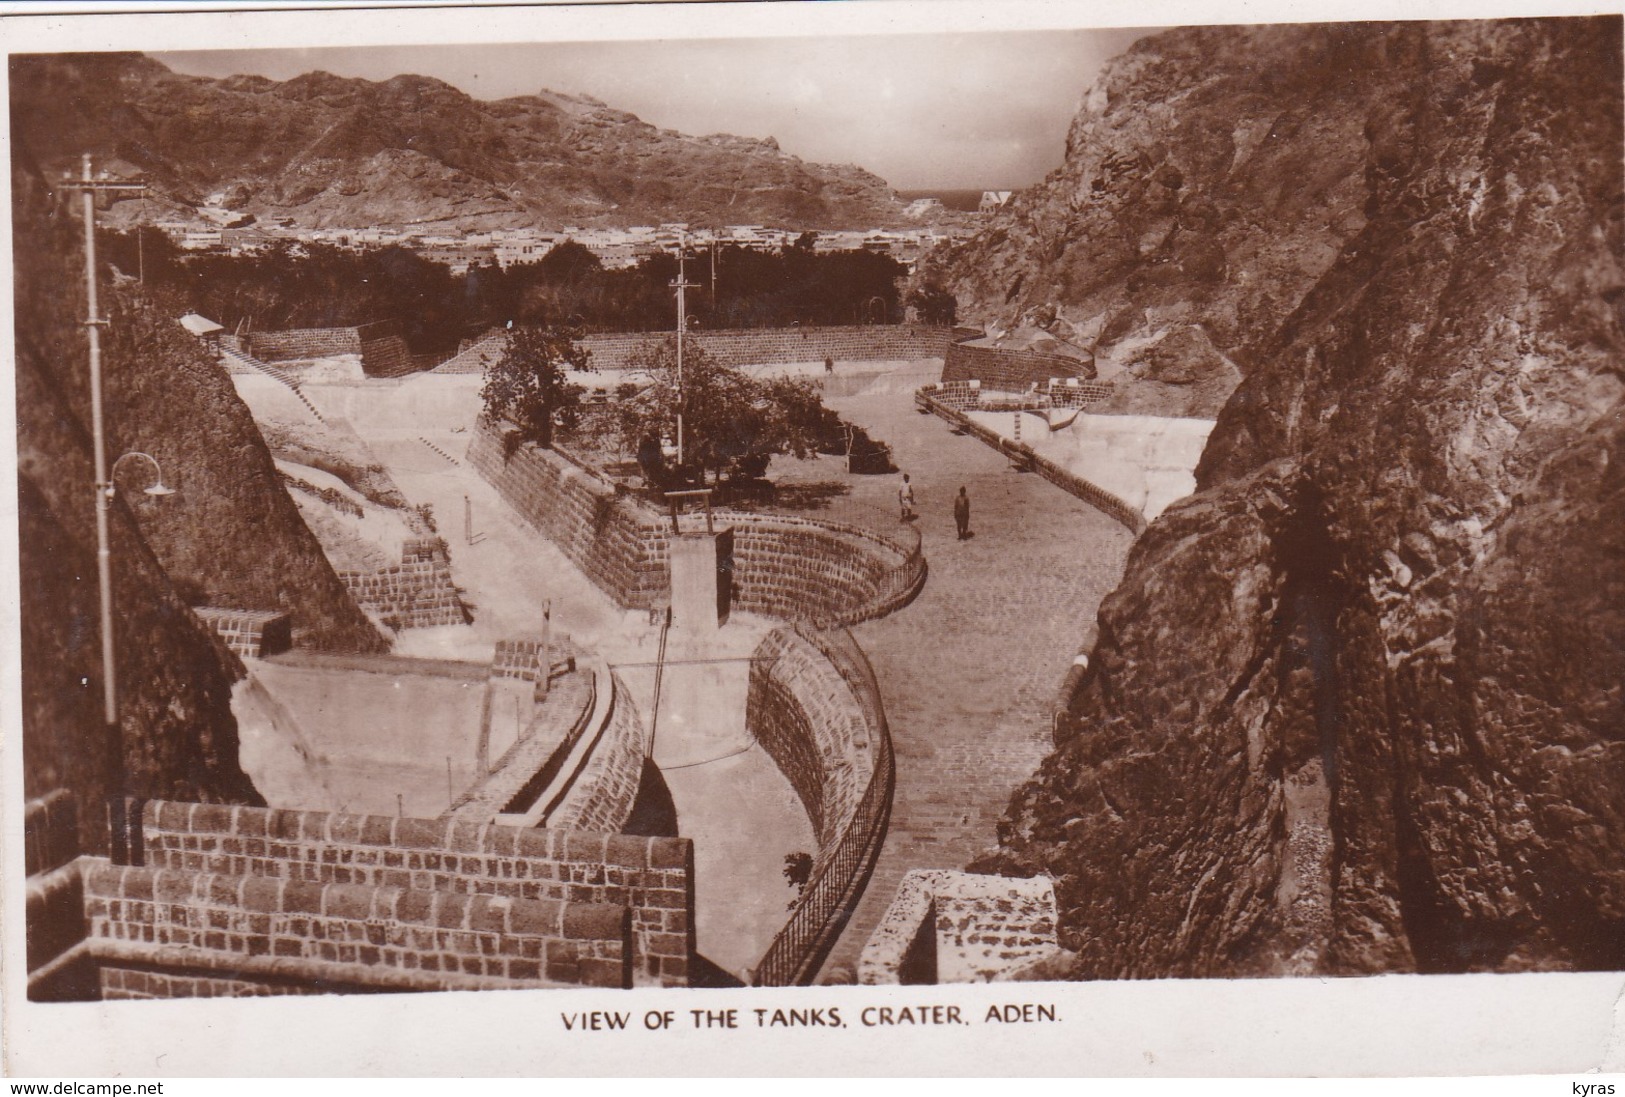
732	422
527	384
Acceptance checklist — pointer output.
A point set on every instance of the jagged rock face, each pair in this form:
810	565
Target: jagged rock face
231	536
1357	704
1211	178
328	151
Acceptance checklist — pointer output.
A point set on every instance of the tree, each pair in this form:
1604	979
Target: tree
527	385
732	422
934	304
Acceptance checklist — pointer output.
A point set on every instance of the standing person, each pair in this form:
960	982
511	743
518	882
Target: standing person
829	365
905	499
962	513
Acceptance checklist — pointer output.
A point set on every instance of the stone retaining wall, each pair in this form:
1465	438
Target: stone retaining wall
958	927
383	352
230	901
1010	369
793	568
814	705
603	796
54	898
817	731
743	346
419	592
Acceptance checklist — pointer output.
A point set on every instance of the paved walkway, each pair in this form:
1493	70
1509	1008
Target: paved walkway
969	670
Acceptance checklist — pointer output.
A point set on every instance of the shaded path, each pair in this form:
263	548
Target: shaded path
969	670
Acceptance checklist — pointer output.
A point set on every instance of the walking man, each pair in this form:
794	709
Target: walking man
905	499
962	513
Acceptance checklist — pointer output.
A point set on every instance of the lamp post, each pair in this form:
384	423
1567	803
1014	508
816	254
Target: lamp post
89	186
105	490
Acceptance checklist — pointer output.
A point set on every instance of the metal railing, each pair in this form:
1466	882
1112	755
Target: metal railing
820	914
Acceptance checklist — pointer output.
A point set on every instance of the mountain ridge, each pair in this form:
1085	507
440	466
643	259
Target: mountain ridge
326	150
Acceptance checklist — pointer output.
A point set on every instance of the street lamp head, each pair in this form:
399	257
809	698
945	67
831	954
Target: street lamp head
158	488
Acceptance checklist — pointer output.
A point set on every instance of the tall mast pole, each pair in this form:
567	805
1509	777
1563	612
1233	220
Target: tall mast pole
680	286
88	186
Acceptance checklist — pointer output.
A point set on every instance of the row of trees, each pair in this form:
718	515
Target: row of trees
733	424
316	285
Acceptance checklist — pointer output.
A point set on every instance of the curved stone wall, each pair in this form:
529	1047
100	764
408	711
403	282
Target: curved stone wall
1010	369
814	706
796	569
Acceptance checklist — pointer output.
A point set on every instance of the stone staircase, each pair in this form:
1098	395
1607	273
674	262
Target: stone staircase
232	355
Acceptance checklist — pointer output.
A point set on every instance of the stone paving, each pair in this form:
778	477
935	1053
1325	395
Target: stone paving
968	671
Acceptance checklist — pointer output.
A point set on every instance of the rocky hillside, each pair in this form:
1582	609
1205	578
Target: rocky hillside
1357	704
1211	178
231	536
327	151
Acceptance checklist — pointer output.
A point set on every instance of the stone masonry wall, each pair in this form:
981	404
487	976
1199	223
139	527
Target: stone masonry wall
391	929
1009	369
620	547
383	352
800	570
54	902
296	343
959	927
249	633
651	877
416	593
744	346
807	717
604	795
792	568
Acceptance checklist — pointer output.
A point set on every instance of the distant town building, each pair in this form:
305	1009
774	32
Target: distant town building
992	200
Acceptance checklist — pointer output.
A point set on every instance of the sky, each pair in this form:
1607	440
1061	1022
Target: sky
966	110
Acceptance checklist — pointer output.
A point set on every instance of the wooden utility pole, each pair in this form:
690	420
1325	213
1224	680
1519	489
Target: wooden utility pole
680	286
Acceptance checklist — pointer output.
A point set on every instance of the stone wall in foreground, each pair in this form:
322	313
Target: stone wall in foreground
230	901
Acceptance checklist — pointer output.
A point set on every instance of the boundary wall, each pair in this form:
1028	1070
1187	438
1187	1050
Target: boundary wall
931	399
382	349
815	707
744	346
231	901
797	569
1010	369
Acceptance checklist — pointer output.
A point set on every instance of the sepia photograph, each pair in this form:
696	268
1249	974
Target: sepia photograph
708	501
